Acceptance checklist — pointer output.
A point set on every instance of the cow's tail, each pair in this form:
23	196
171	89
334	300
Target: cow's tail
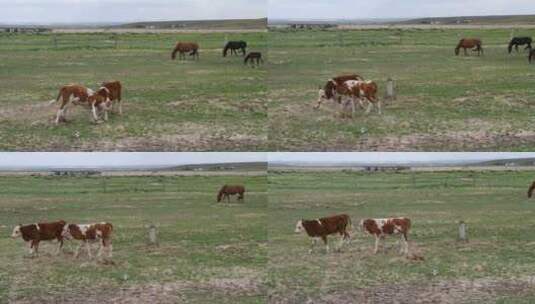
57	98
173	55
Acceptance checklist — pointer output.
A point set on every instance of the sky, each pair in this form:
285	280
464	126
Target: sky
358	9
111	160
379	158
98	11
42	160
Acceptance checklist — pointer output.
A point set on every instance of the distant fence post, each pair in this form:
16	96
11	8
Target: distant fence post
462	232
390	89
153	235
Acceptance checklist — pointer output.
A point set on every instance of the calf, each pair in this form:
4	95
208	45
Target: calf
72	93
322	227
114	90
333	89
90	233
35	233
380	228
357	90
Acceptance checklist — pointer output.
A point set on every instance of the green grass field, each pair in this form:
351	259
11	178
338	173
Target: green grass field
208	252
495	266
216	104
444	102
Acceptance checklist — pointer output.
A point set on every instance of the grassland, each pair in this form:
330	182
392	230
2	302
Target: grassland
495	266
215	104
208	252
445	103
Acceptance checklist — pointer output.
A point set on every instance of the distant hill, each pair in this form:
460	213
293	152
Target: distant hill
230	24
476	20
509	162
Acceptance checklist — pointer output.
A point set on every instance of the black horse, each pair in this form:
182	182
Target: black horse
516	41
254	57
233	46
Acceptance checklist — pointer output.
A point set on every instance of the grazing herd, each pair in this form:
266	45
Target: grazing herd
87	234
352	90
101	101
321	228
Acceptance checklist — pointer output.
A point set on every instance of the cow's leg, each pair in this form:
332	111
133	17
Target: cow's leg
94	111
312	245
30	247
110	250
120	107
342	240
377	238
35	246
88	248
60	245
324	239
370	106
379	107
516	47
77	253
465	52
353	101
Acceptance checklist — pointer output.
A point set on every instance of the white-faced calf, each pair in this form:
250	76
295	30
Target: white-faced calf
35	233
325	226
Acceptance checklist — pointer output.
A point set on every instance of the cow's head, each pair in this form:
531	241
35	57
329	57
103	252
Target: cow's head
299	226
16	232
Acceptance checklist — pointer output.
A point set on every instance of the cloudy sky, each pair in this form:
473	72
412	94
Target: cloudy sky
358	9
95	11
29	160
379	158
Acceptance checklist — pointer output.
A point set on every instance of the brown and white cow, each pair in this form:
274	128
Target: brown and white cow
35	233
334	89
72	93
325	226
114	90
358	91
381	227
90	233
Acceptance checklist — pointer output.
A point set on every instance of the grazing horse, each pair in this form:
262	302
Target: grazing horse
253	57
186	47
233	46
531	55
228	190
530	190
469	43
333	89
516	41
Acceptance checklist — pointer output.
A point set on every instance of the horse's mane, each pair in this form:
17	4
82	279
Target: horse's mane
531	188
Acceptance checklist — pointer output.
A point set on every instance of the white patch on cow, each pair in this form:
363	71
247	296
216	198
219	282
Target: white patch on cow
37	227
105	89
16	232
83	228
319	222
299	226
89	92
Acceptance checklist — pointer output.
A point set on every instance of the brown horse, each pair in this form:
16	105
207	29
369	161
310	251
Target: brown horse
530	190
228	190
469	43
185	47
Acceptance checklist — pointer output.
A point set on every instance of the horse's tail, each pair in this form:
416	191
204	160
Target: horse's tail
57	98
